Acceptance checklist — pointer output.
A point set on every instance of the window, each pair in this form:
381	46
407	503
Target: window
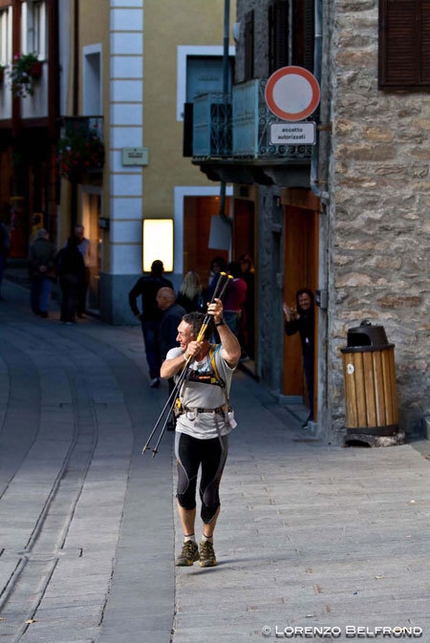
249	46
205	75
291	34
5	36
34	26
404	44
199	71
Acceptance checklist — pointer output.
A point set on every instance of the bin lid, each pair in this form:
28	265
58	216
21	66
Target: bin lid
367	335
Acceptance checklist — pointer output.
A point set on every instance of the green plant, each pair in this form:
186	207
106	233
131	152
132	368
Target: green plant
80	151
23	70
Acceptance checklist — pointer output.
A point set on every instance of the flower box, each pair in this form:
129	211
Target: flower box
25	69
80	152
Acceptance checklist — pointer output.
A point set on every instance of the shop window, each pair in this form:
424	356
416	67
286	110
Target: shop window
404	44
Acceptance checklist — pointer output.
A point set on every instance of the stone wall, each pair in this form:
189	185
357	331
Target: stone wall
379	210
376	235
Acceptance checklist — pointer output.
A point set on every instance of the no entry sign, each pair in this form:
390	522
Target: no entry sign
292	93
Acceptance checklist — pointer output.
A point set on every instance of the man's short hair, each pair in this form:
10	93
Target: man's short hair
195	320
157	266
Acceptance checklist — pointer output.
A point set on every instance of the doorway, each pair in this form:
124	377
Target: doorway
301	244
91	212
198	213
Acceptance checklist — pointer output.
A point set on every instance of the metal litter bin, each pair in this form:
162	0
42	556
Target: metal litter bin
370	382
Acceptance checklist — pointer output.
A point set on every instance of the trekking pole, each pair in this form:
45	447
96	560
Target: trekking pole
219	292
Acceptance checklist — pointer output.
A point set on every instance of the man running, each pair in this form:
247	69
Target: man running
203	425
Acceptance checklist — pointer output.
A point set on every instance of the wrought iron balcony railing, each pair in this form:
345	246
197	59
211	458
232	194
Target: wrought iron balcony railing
240	130
84	126
212	125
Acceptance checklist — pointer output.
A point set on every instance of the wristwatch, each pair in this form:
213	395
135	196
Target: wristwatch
220	323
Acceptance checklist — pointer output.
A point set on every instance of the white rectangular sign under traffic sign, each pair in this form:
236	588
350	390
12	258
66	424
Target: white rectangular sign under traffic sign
293	133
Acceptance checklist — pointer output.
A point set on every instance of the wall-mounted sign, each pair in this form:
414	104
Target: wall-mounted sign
135	156
292	93
292	133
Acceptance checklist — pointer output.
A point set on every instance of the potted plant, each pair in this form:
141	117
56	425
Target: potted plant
24	70
80	151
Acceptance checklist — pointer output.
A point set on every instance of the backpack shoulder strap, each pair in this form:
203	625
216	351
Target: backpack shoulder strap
212	351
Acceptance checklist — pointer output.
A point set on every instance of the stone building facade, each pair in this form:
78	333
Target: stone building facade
372	181
379	208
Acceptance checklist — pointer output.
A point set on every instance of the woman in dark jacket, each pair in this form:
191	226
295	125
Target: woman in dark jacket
301	319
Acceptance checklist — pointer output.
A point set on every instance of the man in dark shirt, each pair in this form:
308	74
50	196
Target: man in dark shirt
172	317
150	316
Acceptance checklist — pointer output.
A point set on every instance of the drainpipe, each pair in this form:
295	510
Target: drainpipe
319	173
75	108
225	100
320	150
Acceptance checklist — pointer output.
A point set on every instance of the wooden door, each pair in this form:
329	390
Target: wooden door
300	271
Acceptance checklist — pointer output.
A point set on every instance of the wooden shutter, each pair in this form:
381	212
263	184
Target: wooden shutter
404	44
278	35
303	33
249	46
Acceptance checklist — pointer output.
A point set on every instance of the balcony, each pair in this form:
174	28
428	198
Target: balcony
212	125
231	142
80	149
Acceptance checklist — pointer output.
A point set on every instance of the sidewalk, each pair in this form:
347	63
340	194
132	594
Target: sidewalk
310	535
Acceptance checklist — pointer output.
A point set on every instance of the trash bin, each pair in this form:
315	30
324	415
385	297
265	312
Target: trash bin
370	382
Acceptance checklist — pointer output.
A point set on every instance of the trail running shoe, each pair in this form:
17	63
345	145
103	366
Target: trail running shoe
188	555
207	554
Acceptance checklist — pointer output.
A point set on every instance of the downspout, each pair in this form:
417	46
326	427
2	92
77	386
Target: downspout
225	100
75	108
53	113
319	174
320	149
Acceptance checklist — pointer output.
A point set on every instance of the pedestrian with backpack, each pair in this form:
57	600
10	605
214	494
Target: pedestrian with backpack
204	421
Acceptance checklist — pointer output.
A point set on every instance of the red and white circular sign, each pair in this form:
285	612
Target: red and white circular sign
292	93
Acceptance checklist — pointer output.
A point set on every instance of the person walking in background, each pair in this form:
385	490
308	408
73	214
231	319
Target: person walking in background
170	320
172	313
84	247
235	299
4	250
248	319
218	264
300	318
203	425
42	272
70	269
147	287
190	294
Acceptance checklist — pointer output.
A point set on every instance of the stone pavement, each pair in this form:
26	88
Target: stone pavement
310	535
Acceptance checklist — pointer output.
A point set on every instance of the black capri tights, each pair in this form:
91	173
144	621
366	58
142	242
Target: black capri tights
191	453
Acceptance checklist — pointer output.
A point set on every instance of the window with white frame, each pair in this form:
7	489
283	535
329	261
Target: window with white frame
5	36
34	27
199	71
